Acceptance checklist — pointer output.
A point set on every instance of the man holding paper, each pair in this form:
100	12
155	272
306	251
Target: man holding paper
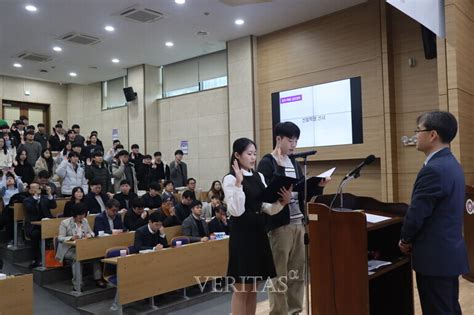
286	229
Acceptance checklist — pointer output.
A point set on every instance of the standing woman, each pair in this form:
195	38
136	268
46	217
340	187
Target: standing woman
23	168
6	156
250	256
45	162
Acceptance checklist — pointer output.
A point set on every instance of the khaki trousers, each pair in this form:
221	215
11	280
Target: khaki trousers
287	243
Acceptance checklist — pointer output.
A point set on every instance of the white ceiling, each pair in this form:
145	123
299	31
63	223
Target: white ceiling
132	42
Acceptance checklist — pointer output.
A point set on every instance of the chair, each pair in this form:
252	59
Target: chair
184	240
110	271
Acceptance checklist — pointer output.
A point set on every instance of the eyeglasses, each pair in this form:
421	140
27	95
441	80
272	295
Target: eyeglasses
416	131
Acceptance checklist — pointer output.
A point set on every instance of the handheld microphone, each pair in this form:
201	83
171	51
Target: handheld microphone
355	172
302	154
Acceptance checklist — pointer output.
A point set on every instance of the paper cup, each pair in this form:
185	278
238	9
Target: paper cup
101	233
3	276
123	252
179	243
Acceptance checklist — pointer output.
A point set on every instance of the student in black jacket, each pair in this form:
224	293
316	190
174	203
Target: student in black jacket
169	213
144	172
125	197
109	221
23	168
161	171
219	222
183	209
77	196
96	198
136	217
151	235
98	169
37	207
152	198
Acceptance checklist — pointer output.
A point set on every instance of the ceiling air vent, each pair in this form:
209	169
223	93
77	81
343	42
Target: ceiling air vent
141	15
34	57
81	39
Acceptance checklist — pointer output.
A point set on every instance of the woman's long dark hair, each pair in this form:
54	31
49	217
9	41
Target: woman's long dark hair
5	149
17	157
73	199
239	146
49	161
65	150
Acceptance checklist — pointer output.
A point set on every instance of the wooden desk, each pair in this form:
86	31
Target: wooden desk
93	248
182	265
16	295
19	215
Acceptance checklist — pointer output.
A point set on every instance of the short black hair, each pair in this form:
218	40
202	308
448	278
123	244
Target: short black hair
94	132
115	141
157	216
98	153
95	181
167	182
155	186
190	179
286	129
147	156
43	174
135	146
138	203
178	152
40	125
220	208
196	203
19	122
30	132
125	182
188	194
444	123
58	126
112	203
122	153
157	153
72	154
75	126
76	145
23	117
70	131
30	127
79	209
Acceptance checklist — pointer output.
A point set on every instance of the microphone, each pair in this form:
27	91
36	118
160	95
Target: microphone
355	172
302	154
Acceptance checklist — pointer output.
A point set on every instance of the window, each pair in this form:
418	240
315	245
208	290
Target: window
194	75
112	93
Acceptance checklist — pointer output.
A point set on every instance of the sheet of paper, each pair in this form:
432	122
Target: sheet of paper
373	218
328	173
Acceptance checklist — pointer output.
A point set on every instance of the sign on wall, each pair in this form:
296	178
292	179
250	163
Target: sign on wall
429	13
184	146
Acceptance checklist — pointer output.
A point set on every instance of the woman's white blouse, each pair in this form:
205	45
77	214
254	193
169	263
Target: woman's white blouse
235	197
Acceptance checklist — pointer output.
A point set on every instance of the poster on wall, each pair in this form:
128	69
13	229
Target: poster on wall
115	134
429	13
184	146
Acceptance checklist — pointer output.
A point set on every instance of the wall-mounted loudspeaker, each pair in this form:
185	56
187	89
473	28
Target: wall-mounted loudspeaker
130	95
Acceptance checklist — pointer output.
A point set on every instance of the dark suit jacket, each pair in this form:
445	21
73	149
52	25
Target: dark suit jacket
178	173
92	204
37	210
102	223
216	225
190	229
121	198
433	223
146	240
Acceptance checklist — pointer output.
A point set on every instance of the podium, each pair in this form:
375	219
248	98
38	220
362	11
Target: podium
339	247
469	231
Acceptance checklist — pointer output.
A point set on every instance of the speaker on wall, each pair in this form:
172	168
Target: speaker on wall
130	95
429	42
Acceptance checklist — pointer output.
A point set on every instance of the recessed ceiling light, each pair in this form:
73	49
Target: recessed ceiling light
180	1
239	21
109	28
31	8
115	60
169	44
73	74
17	65
57	48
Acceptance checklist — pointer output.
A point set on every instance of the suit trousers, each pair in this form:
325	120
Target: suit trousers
287	243
439	295
77	269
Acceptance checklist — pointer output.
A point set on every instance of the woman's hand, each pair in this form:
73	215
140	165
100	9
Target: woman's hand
239	175
285	195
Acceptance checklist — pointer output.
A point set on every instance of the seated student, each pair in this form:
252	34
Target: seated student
98	169
125	197
194	226
109	221
144	172
152	198
44	182
167	209
71	229
78	196
37	207
219	222
151	235
96	198
191	186
183	209
10	186
136	217
169	191
216	190
209	208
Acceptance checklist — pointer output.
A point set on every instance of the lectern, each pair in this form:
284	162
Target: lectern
469	231
341	243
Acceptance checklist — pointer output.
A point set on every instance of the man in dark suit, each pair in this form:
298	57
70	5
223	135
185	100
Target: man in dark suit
96	198
126	196
194	226
110	220
151	235
432	229
219	222
178	170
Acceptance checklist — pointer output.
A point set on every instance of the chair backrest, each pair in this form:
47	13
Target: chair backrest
110	269
184	240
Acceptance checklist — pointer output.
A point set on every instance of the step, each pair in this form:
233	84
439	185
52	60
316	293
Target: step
91	294
16	254
164	303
